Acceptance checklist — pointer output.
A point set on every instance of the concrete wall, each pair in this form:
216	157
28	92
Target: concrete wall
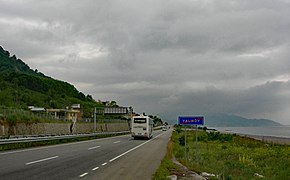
59	128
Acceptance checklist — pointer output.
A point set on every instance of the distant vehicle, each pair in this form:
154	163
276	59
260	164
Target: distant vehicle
164	127
141	127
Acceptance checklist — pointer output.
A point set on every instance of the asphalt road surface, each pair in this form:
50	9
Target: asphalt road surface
119	157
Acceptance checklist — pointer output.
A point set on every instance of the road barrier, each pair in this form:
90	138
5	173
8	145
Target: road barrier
22	139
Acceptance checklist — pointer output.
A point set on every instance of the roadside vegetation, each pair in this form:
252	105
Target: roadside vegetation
11	116
227	156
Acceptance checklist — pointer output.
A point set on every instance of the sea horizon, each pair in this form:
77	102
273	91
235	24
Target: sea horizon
273	131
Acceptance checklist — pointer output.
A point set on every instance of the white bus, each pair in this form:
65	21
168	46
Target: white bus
141	127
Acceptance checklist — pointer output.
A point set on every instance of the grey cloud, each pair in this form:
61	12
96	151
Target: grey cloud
267	100
164	57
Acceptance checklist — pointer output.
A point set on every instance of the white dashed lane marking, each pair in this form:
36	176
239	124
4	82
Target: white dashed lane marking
41	160
95	147
82	175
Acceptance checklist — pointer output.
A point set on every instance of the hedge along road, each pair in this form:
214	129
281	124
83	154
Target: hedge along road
108	158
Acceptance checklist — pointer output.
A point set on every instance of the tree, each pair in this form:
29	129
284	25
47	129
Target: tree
113	104
14	57
89	98
157	121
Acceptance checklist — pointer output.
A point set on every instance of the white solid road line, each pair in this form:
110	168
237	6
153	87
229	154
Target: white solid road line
93	147
41	160
82	175
134	148
117	141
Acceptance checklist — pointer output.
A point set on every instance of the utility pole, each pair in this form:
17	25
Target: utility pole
95	118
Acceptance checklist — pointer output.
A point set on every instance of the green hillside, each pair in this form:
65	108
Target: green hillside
21	87
223	120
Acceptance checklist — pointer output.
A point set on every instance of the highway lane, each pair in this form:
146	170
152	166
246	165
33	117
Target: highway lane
139	163
85	159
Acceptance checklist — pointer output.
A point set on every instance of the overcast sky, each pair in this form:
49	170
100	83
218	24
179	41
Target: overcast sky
165	57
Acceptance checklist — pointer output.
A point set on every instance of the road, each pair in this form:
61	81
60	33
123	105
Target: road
118	157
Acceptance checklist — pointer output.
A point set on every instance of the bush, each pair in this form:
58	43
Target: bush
213	136
181	140
178	129
11	119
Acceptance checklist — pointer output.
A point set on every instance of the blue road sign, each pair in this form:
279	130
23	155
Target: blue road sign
190	120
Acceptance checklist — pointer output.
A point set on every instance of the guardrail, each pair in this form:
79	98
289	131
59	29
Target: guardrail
54	137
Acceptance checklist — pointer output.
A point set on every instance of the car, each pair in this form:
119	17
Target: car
164	128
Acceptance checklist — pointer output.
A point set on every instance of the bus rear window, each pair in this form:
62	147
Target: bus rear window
139	120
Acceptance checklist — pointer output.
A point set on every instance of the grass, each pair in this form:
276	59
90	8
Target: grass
13	116
167	166
229	156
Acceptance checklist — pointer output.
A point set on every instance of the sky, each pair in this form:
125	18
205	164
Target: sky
162	57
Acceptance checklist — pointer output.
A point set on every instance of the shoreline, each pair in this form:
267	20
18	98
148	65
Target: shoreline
269	139
262	136
266	139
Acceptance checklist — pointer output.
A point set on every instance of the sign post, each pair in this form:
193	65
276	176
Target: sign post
191	121
185	158
196	146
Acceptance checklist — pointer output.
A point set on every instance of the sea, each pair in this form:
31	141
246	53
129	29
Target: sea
275	131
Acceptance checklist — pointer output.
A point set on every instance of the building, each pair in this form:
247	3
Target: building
64	114
67	114
36	109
